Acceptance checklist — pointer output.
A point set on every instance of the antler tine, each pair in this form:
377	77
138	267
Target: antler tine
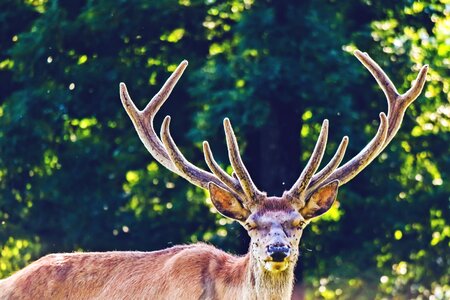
143	120
322	175
396	110
416	88
158	100
219	172
383	80
249	188
190	172
298	190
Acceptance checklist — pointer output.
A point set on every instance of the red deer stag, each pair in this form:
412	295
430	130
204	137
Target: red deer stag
200	271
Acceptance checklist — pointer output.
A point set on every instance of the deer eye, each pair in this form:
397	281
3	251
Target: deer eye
299	224
249	225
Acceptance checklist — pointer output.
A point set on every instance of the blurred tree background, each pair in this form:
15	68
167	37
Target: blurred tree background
74	176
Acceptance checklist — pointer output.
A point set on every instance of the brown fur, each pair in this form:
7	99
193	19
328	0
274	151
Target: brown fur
117	275
197	271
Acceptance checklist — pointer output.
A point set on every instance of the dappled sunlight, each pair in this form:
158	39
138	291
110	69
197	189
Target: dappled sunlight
17	253
74	175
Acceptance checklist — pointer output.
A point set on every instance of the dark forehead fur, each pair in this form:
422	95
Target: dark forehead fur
274	204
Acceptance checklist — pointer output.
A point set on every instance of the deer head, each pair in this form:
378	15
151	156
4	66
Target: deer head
275	224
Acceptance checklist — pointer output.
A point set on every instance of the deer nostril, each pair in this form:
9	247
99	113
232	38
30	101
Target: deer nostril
278	252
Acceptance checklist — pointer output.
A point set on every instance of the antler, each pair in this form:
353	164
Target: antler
389	125
240	184
166	152
299	188
250	190
143	120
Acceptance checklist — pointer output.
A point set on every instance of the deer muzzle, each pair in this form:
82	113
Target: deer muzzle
278	252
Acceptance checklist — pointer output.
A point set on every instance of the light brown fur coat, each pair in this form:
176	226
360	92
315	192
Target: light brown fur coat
197	271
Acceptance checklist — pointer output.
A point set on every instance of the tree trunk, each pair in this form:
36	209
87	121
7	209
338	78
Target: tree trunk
275	148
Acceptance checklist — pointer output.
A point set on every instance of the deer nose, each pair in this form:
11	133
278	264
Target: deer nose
278	252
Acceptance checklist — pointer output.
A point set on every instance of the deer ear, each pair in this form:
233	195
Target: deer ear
320	201
227	204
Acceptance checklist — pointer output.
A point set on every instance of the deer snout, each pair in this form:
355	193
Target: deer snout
278	252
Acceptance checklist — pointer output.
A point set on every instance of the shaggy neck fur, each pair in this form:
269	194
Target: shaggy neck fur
265	285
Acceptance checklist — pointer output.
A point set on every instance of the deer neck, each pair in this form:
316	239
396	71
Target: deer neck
264	285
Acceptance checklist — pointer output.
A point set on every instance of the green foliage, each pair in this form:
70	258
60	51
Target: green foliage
74	175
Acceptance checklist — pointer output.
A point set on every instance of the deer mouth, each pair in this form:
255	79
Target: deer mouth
276	266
